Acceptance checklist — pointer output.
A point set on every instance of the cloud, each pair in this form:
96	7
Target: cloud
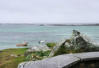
49	11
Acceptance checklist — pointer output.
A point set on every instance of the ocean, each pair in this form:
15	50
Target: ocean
12	34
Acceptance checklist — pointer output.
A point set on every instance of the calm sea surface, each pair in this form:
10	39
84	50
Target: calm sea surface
10	35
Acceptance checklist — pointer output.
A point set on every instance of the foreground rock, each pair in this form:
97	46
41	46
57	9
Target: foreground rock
77	43
38	48
33	49
62	61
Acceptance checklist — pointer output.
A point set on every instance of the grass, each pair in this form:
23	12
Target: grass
10	58
8	61
51	44
39	55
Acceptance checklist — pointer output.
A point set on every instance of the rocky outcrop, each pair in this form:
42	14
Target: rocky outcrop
77	43
61	61
38	48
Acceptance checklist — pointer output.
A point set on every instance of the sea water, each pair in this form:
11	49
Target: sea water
12	34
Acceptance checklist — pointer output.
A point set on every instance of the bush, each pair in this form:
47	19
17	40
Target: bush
51	45
39	55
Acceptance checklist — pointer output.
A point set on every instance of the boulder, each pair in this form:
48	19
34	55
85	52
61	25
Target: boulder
38	48
78	42
62	61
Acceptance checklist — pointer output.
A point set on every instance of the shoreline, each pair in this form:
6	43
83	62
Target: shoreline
40	24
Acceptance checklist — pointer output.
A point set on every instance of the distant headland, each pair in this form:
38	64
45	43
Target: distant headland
65	24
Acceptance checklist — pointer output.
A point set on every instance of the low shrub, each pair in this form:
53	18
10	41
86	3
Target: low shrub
51	45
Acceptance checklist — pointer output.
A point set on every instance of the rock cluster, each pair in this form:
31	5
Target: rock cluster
61	61
38	48
77	43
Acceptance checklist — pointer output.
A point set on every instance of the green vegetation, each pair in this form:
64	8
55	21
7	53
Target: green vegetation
51	45
37	55
10	58
66	50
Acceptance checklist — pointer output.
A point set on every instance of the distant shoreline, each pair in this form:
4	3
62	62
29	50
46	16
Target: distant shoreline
50	24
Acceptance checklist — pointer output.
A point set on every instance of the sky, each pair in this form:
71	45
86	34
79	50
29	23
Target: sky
49	11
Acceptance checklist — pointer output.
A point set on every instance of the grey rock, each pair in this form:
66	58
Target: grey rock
61	61
38	48
87	56
55	62
78	41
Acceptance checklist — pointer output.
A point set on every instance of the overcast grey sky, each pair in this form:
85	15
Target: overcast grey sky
49	11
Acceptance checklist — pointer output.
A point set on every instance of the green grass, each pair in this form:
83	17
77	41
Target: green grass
13	63
8	61
39	55
51	45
